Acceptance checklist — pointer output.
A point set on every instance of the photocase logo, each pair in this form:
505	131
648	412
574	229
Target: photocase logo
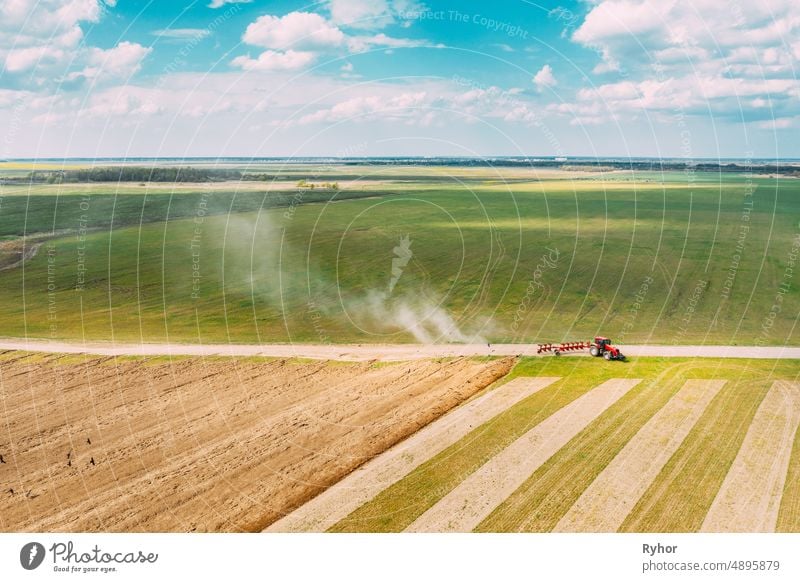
402	254
31	555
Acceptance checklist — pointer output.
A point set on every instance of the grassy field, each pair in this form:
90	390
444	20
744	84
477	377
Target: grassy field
677	500
63	209
548	494
681	495
495	255
789	516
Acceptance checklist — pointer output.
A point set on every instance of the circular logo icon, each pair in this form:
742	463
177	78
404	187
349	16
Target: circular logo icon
31	555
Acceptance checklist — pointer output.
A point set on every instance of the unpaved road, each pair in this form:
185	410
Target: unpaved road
379	352
102	444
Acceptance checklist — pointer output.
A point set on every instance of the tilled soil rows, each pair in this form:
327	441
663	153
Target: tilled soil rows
202	444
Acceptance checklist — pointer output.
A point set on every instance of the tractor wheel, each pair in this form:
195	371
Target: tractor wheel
607	355
594	351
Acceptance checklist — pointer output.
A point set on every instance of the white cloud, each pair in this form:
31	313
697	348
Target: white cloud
44	33
779	123
18	60
296	30
503	47
9	97
612	18
27	22
545	79
629	33
275	61
121	102
373	14
691	57
182	33
221	3
358	44
426	104
362	108
121	61
44	40
215	94
733	97
360	13
296	40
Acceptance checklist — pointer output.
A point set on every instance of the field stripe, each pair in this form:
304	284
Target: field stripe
608	500
789	514
373	477
539	503
465	506
679	498
396	507
750	496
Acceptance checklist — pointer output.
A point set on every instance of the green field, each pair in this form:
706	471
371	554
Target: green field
514	257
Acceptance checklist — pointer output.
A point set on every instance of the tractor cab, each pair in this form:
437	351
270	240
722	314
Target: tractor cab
602	347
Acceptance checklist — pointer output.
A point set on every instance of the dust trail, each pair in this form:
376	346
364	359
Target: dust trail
260	260
422	317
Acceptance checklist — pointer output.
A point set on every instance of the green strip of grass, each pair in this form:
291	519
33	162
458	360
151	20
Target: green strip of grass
550	492
679	498
399	505
97	208
789	514
547	495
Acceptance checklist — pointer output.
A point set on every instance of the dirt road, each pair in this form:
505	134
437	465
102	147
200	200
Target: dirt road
379	352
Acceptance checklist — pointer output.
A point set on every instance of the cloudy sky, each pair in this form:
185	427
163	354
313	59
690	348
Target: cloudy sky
675	78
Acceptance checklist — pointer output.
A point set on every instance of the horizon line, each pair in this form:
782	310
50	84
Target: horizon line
529	158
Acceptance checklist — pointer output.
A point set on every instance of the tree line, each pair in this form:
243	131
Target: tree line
134	174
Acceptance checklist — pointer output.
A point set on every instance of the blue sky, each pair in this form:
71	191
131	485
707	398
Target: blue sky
399	77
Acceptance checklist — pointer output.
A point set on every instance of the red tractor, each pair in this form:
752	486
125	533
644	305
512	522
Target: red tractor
602	347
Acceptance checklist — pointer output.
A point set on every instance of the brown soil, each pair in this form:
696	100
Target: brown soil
201	444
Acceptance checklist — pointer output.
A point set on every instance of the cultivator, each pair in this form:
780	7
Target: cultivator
601	346
563	347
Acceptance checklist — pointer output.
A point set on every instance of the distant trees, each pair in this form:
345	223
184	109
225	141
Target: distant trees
260	177
306	185
142	175
134	174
